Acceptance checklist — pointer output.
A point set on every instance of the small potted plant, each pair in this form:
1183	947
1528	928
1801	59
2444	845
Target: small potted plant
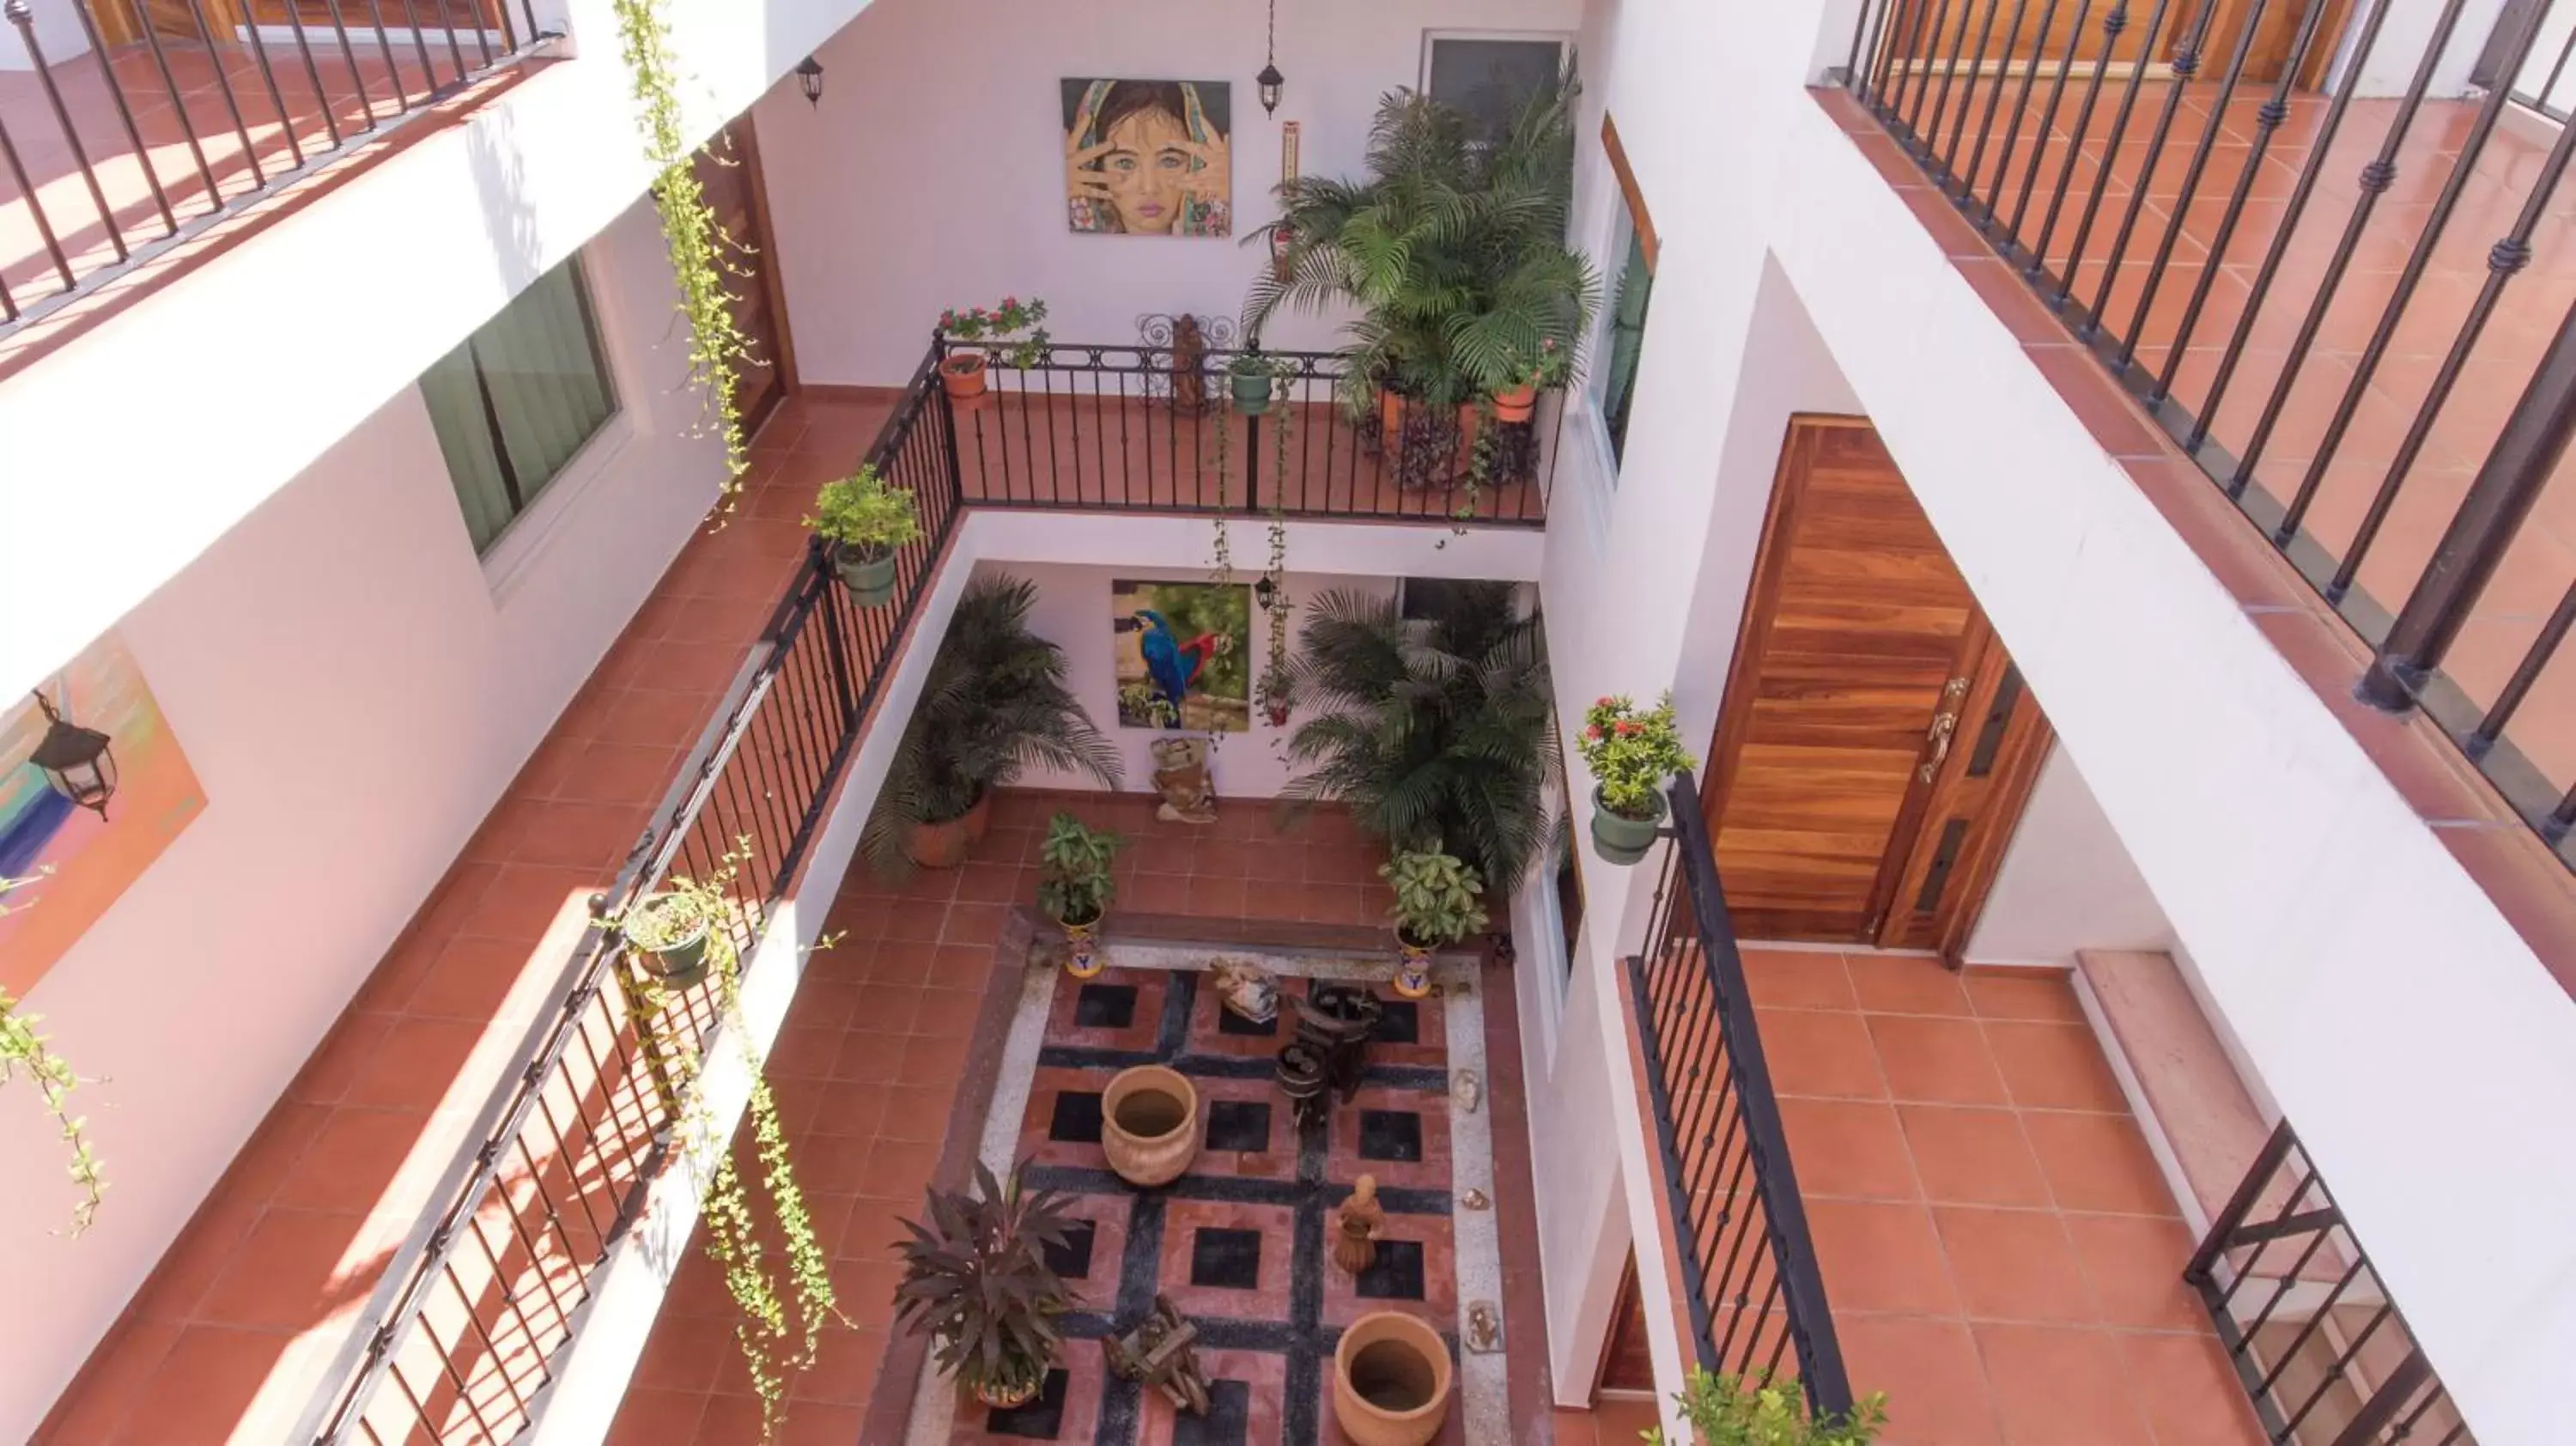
976	1281
1012	328
865	521
1631	751
1514	401
1075	885
1729	1411
1251	375
669	931
1435	906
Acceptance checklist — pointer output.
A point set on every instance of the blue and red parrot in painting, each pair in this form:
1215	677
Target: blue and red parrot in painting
1170	662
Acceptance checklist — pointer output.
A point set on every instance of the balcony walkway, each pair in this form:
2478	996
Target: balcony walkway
2032	161
233	1332
2001	1255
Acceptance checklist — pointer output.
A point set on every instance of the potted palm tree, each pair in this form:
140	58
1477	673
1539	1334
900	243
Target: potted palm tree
976	1281
865	521
1432	730
1435	906
1075	885
995	703
1631	751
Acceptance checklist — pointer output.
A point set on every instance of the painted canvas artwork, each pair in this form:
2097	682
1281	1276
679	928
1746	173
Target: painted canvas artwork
1184	651
92	859
1148	157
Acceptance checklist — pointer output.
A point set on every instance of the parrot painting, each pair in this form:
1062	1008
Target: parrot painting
1170	662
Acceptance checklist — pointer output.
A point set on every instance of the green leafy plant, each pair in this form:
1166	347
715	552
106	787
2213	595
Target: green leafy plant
1541	370
25	1048
994	703
1435	898
1221	556
1631	751
675	913
1453	249
1728	1411
976	1281
862	513
702	255
780	1335
1011	329
1433	730
1277	685
1076	870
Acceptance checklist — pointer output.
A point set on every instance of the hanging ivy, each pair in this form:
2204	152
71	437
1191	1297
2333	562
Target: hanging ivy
23	1048
1221	567
702	255
1274	683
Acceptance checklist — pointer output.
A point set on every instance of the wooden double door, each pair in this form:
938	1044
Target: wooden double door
1876	744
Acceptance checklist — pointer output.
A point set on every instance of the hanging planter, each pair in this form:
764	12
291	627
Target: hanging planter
962	374
1631	751
1250	379
1515	404
1013	329
869	579
865	521
669	933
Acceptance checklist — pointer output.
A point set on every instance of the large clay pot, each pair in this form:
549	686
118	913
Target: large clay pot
1149	1124
1391	1381
944	845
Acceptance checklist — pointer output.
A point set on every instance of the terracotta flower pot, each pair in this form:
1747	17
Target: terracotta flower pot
1391	1380
1149	1124
1390	417
1514	404
962	374
944	845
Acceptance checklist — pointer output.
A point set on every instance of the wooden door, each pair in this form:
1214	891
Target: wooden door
1836	773
729	169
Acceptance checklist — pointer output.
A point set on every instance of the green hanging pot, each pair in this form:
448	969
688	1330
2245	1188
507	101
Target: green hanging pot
869	579
1622	840
1252	392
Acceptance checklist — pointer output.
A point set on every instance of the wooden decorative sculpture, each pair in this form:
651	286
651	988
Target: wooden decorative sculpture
1162	1351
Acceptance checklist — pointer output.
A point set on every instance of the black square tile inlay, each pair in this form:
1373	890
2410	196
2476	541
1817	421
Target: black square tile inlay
1104	1006
1399	1021
1396	1274
1229	1022
1384	1134
1240	1125
1228	1420
1072	1259
1040	1420
1076	1119
1227	1258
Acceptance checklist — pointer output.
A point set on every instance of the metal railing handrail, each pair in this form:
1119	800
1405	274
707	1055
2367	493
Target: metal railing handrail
1719	1134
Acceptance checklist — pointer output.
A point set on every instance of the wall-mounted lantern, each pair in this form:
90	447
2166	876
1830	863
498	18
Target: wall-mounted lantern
1270	80
809	79
75	760
1266	593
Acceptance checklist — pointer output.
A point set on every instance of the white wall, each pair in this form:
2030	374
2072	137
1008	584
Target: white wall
2066	883
330	312
1073	613
353	697
58	31
2316	906
932	174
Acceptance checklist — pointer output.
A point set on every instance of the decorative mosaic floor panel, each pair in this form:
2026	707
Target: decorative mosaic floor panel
1239	1243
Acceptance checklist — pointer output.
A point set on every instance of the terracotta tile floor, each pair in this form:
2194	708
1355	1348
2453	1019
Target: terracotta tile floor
867	1069
343	89
233	1330
1058	444
2541	566
2001	1253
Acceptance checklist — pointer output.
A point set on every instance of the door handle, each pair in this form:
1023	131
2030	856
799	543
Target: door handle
1945	725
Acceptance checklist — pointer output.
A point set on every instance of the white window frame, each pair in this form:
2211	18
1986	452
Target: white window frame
1562	39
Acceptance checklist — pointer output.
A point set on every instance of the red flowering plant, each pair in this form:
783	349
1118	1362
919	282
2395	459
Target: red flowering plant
1542	372
1011	327
1631	751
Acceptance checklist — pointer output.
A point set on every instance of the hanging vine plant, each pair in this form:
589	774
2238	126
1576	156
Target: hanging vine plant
1221	562
24	1048
702	255
1276	682
780	1334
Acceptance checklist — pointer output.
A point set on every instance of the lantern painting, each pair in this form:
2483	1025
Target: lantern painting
93	787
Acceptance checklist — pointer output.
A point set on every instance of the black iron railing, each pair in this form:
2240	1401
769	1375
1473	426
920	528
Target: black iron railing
2313	278
2322	1350
240	100
1087	428
1748	1267
489	1297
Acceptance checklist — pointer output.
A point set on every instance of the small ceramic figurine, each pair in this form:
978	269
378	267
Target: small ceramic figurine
1355	1237
1246	988
1181	777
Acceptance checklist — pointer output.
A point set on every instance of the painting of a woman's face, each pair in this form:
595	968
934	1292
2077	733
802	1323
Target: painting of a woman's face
1146	170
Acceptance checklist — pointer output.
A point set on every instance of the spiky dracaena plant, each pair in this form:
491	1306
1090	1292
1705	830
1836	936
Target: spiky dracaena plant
1433	730
1453	249
976	1281
995	704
